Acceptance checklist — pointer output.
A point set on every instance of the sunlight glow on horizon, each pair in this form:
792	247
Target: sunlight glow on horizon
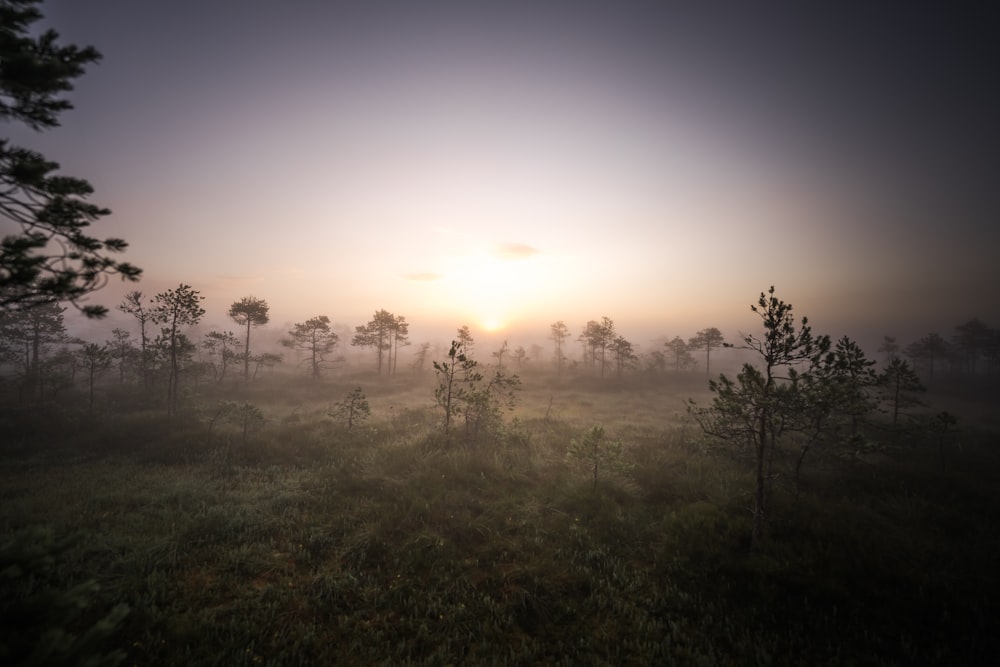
492	285
494	168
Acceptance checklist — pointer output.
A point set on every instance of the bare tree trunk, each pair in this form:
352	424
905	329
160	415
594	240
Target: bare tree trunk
895	402
760	492
798	469
246	355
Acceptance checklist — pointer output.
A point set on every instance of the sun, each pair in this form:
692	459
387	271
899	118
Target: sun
492	323
495	290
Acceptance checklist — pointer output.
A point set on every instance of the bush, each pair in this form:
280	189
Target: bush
46	621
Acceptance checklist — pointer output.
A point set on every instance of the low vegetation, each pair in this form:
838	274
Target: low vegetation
277	529
811	510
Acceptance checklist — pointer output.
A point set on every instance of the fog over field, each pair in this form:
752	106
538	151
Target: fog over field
513	333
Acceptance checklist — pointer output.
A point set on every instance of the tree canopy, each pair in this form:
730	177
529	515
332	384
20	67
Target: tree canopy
707	339
316	339
51	256
384	333
755	408
176	308
249	312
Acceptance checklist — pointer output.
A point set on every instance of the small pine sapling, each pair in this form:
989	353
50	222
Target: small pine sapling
595	452
353	410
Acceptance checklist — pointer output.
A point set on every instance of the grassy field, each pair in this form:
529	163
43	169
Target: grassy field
311	544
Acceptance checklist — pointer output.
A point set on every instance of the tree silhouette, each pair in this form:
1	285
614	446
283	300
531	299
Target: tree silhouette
121	348
679	351
624	354
559	333
973	339
928	350
251	312
597	338
756	408
464	336
381	333
399	336
458	369
899	383
832	397
483	401
96	359
132	304
353	410
656	361
707	339
420	357
52	258
264	360
498	355
316	339
175	308
26	336
850	376
596	452
221	344
890	347
462	392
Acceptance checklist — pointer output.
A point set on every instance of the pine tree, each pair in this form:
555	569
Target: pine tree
53	258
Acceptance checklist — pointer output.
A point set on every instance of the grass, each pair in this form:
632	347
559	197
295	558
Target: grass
387	545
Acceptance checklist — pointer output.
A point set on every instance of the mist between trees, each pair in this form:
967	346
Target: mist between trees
582	479
184	492
168	339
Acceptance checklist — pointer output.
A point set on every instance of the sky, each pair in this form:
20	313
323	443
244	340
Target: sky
509	164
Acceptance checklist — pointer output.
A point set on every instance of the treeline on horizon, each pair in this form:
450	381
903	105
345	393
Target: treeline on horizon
458	532
40	359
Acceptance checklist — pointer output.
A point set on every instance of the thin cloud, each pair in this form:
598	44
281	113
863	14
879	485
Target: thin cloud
425	277
514	250
448	231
